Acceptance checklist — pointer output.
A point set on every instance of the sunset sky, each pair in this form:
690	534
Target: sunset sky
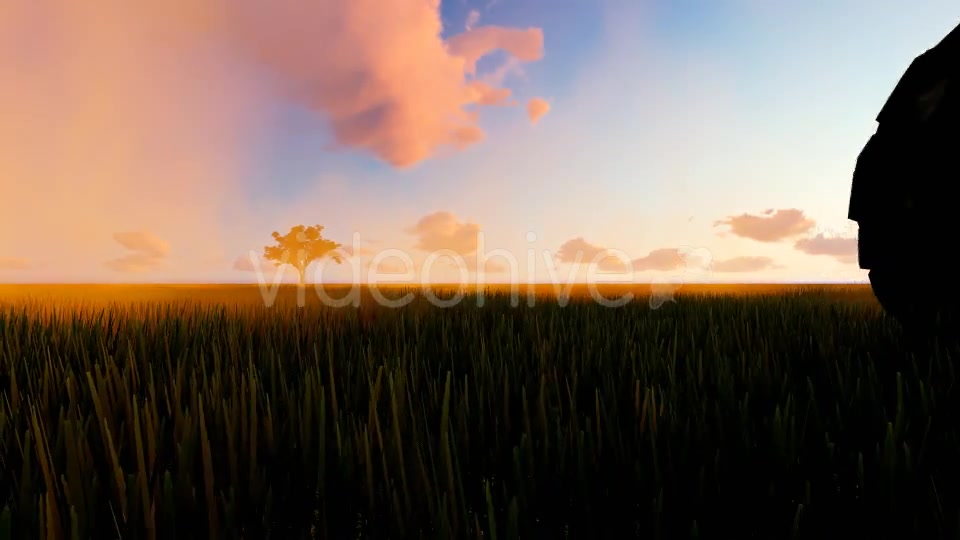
161	140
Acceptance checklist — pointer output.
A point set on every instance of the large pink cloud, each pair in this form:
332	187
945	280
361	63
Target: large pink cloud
379	70
117	117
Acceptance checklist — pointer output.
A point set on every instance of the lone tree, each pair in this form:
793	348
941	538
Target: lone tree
300	247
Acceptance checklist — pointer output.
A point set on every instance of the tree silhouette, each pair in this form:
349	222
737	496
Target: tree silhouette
300	247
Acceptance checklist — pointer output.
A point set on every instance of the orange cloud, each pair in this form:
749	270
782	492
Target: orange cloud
485	94
15	263
659	259
147	252
380	71
444	231
744	264
143	242
525	45
578	248
536	108
662	259
842	249
772	226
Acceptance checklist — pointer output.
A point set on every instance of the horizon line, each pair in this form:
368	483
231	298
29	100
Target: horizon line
401	284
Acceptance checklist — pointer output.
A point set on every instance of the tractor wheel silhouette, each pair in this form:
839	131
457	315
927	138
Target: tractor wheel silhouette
902	195
923	308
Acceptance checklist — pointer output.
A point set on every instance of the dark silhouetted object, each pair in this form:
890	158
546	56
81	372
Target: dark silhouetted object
905	198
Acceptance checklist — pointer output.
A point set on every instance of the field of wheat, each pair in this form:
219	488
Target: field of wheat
733	411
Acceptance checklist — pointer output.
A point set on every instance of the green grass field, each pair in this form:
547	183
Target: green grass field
734	412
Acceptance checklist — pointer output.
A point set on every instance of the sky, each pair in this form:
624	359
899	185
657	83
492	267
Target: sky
163	140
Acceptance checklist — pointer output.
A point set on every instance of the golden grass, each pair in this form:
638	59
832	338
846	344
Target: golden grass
66	295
